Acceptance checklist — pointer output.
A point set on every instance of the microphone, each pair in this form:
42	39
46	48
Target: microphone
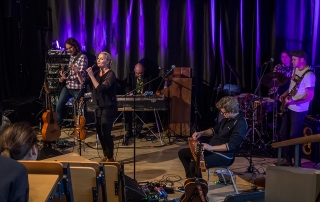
271	60
172	67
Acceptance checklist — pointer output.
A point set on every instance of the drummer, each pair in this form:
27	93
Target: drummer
285	67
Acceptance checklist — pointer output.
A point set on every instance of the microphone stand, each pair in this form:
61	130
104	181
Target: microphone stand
134	112
250	169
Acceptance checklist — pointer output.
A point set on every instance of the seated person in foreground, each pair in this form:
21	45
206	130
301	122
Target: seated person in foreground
14	181
19	141
227	136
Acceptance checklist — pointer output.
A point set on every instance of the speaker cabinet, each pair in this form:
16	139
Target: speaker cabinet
291	184
252	197
311	126
134	193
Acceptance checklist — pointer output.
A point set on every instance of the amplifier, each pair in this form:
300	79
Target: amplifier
311	126
53	83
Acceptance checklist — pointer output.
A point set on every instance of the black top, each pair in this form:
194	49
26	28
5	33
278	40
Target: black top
106	91
231	132
14	181
131	83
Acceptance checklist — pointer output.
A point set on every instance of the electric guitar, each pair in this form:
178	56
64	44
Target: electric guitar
196	188
293	92
50	130
80	122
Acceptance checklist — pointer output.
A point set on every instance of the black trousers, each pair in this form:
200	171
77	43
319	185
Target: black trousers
104	128
211	159
292	128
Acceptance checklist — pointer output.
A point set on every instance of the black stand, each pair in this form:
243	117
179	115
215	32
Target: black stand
134	118
251	168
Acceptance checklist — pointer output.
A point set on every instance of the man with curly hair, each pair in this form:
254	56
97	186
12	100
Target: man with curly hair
74	77
226	137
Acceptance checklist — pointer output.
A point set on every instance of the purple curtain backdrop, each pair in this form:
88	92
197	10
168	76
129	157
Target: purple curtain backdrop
201	34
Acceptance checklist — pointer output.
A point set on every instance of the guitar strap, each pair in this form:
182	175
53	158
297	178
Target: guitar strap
298	80
76	58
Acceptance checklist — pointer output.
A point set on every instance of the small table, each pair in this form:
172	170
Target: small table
41	186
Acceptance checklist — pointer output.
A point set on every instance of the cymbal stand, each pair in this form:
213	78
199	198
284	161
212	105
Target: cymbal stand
254	131
274	113
251	168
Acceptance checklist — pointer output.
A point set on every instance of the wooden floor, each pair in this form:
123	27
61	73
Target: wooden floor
155	162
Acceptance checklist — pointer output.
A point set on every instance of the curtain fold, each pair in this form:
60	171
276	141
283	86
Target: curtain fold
201	34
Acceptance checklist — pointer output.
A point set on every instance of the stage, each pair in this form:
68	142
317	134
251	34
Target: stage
160	163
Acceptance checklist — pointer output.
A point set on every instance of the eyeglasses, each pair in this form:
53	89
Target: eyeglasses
223	113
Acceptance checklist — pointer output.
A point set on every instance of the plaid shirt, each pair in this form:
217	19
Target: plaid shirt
72	81
282	68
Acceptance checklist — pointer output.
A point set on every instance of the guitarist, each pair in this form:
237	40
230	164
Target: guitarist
74	78
226	137
297	99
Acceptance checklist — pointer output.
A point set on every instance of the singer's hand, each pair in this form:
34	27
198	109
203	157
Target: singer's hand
90	72
61	79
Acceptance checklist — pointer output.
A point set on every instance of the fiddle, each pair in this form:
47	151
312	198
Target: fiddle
80	122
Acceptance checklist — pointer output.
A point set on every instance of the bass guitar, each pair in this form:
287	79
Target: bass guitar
196	188
50	130
293	92
80	122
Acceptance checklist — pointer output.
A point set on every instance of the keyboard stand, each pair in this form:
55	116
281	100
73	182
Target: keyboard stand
157	119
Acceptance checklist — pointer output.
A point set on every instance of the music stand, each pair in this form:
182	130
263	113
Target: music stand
134	112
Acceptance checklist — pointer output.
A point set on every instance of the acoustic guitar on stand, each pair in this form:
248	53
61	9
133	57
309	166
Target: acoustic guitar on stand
50	130
196	188
80	122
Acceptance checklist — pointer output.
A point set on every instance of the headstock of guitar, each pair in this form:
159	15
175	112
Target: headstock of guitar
46	87
199	149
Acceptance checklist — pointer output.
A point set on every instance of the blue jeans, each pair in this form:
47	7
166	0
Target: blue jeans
65	95
291	128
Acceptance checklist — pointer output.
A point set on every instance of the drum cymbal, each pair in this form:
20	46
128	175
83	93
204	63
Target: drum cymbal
274	79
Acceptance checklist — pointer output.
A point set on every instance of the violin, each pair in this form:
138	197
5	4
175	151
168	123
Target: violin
80	122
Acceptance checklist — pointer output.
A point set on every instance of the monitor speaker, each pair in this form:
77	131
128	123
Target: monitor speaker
291	184
134	193
257	196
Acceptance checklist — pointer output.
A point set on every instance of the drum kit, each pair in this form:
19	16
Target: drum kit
255	110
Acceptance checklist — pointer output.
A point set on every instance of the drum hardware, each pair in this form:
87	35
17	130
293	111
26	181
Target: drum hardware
251	168
272	80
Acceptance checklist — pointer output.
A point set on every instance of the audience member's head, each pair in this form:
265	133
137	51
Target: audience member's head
19	141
